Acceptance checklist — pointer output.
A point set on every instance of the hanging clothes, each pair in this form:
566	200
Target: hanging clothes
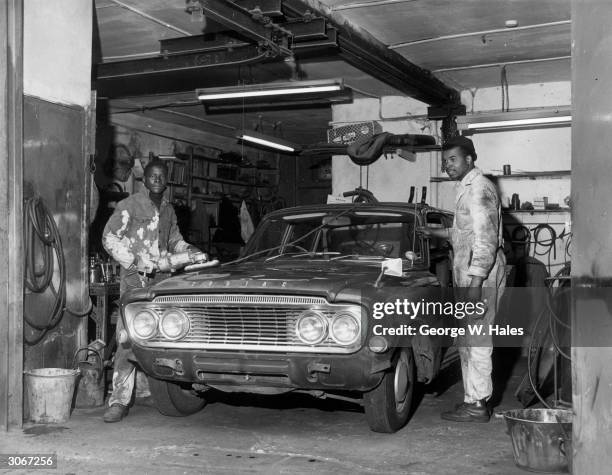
246	223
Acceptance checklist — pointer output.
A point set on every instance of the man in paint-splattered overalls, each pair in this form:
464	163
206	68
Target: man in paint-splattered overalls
478	271
142	229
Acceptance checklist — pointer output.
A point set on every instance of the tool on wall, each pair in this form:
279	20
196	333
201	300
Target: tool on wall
411	197
43	244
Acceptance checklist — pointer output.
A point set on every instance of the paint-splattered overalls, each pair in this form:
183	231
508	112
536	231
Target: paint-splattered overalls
477	242
136	235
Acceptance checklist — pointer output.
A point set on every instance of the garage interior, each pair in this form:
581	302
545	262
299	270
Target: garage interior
87	82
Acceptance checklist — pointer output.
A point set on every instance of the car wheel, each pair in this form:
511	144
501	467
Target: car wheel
172	399
388	406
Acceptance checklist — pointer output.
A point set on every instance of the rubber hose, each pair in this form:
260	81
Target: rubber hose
41	233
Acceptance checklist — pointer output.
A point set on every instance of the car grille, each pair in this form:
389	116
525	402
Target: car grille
247	322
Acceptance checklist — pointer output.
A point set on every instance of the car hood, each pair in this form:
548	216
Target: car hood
331	279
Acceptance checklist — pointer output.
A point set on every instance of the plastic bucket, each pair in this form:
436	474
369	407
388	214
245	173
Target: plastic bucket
541	439
49	393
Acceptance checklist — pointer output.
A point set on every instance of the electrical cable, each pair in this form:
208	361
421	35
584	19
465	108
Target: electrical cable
549	245
529	356
568	243
521	235
563	272
41	230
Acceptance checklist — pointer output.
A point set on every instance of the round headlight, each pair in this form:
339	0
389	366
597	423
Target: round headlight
378	344
311	327
174	324
344	328
145	324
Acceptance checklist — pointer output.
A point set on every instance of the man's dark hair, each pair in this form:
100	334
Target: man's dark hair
465	144
156	162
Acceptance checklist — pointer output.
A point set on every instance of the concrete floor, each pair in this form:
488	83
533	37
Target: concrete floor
280	434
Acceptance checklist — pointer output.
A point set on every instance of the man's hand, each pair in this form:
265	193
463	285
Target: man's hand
474	294
474	291
426	231
147	265
196	255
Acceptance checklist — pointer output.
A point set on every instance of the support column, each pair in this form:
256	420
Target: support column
592	239
11	198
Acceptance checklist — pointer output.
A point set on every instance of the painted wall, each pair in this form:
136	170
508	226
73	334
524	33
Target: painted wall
542	149
57	50
524	150
57	75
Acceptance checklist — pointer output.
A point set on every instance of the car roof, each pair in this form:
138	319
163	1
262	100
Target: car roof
396	206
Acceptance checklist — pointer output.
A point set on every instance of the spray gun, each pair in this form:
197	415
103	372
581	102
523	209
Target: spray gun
187	260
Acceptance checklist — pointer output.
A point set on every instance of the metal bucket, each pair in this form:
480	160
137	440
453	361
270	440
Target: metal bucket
541	439
49	393
90	390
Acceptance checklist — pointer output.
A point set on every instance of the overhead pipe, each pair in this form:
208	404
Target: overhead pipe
479	33
504	63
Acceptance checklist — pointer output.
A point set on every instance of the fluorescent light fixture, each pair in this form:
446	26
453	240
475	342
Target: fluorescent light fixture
268	90
268	141
515	119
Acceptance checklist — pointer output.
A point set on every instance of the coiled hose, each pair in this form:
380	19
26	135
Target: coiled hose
41	234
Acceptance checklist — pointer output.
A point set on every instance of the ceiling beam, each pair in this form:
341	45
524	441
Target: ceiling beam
168	130
362	50
244	23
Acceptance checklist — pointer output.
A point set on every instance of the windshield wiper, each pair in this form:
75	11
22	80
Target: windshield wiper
319	253
357	256
271	258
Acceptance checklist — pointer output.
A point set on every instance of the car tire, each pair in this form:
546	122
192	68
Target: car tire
172	399
389	406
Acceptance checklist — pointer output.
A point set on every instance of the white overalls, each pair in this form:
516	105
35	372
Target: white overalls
476	237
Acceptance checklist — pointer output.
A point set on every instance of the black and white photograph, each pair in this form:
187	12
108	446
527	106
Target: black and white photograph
306	237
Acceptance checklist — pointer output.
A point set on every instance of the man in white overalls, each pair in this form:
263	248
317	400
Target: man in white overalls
478	271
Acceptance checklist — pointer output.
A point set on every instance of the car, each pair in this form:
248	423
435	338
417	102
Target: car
295	313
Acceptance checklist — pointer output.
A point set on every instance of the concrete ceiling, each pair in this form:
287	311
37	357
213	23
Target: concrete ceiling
464	43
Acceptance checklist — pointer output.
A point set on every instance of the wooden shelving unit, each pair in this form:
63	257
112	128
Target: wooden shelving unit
179	178
198	183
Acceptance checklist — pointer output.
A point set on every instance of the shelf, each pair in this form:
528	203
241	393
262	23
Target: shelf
239	183
535	211
173	183
534	175
524	175
203	196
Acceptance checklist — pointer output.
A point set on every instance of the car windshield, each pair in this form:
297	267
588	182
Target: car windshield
354	235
